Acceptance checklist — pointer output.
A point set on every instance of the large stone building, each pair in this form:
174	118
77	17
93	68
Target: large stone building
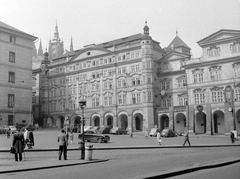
205	90
16	50
133	83
118	79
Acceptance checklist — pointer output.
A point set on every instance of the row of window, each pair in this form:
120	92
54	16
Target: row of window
96	62
215	74
199	98
136	98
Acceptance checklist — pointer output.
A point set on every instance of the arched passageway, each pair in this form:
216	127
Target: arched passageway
218	122
164	122
96	121
180	123
123	121
108	121
200	124
138	122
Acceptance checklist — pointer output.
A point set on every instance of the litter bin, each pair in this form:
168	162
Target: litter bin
235	134
88	152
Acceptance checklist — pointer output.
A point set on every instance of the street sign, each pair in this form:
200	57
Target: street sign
66	122
66	117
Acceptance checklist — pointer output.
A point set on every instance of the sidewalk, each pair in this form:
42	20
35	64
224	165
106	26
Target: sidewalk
10	166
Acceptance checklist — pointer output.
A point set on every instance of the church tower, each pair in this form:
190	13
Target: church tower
56	48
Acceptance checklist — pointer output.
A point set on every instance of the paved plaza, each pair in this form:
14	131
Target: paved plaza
46	148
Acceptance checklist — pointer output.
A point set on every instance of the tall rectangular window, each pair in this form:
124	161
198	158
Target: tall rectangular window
11	77
12	39
237	94
12	57
10	100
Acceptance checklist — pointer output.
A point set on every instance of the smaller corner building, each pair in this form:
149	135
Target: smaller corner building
134	83
16	51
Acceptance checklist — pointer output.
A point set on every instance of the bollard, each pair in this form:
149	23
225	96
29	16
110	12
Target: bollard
89	152
82	148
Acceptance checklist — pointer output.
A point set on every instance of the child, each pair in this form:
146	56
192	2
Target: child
159	138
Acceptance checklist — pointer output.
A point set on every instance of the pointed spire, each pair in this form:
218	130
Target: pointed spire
71	45
56	34
40	50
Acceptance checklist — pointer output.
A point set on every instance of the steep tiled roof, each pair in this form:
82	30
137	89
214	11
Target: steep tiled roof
177	42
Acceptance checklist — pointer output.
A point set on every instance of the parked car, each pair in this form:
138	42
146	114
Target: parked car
91	136
3	129
13	129
168	133
117	130
154	131
105	130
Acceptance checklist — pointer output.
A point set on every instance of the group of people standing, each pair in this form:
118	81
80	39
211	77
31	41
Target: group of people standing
20	140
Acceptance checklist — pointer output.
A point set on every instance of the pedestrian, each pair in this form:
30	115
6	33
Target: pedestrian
71	136
26	136
36	126
31	140
232	136
186	138
62	141
146	134
8	133
159	138
18	144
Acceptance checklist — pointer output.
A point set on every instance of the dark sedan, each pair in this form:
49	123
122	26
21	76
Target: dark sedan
168	133
92	136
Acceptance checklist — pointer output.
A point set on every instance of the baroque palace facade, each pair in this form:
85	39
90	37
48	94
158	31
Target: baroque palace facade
135	84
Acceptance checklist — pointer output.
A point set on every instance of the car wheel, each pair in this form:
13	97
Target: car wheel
105	141
99	140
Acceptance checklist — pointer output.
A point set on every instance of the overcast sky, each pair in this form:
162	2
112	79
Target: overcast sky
98	21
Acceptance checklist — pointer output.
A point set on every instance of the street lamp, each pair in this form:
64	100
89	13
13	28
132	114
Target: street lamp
82	104
187	103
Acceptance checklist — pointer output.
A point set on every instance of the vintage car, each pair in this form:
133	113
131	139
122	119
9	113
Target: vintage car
168	133
93	136
117	130
13	129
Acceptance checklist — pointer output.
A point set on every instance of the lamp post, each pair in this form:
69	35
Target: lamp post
187	103
82	104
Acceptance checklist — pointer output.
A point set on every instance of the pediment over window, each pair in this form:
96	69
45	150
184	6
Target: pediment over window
197	70
216	88
199	90
182	95
237	85
236	65
215	67
181	77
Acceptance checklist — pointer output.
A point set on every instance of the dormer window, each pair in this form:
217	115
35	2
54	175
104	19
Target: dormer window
235	47
213	51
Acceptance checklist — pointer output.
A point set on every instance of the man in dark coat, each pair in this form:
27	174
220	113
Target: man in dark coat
31	140
63	142
18	144
186	138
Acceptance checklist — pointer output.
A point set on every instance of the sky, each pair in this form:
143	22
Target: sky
99	21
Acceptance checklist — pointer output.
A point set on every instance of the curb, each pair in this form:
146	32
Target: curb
48	167
177	172
132	147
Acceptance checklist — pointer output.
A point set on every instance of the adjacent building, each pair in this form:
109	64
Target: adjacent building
202	94
16	51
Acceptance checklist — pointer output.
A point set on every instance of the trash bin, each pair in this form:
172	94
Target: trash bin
235	134
88	152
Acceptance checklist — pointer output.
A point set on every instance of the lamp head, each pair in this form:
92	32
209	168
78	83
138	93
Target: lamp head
82	103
